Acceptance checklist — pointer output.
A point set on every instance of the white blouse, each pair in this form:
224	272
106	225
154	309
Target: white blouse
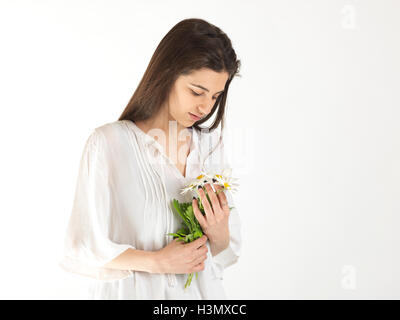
123	200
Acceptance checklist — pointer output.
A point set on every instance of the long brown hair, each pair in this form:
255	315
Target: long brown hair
190	45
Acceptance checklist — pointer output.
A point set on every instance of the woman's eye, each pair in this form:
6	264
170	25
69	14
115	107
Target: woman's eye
198	94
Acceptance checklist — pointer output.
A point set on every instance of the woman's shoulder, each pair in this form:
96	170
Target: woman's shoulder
111	127
110	136
113	131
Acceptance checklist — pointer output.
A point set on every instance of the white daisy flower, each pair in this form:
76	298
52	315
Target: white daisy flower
201	180
224	179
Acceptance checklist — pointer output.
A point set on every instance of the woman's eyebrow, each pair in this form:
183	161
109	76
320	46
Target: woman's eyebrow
201	87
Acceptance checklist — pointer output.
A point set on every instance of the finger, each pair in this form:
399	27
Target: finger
202	249
223	200
207	206
197	213
198	259
214	199
198	242
199	267
197	254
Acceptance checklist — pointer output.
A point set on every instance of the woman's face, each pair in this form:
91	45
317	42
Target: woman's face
195	94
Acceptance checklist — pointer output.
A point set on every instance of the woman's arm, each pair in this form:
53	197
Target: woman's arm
175	257
136	260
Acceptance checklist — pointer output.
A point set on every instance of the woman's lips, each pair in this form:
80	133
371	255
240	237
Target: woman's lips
194	117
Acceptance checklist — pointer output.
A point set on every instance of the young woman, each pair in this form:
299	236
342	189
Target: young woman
130	171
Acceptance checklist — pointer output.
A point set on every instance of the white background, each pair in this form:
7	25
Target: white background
316	113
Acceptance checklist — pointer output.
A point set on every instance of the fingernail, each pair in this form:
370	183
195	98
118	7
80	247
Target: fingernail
194	197
198	187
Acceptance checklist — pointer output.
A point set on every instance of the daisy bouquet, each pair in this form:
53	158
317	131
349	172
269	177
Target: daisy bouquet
191	229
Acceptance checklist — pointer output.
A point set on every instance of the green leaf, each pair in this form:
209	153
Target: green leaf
191	218
197	234
173	234
178	209
201	206
184	230
189	237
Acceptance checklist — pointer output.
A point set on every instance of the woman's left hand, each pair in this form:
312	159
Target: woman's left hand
215	223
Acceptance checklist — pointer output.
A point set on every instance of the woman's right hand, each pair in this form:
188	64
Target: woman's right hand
181	257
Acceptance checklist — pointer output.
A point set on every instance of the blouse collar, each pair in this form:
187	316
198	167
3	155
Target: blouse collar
148	140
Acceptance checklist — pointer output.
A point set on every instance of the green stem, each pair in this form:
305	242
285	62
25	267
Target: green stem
189	280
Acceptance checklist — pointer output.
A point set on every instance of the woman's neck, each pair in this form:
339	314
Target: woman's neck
173	133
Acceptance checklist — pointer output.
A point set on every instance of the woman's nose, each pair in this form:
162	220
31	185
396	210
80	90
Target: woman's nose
205	110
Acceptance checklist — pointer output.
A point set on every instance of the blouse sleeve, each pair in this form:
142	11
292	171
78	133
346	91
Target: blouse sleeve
231	254
87	243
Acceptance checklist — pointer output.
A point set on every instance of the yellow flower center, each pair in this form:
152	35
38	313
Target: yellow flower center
200	176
